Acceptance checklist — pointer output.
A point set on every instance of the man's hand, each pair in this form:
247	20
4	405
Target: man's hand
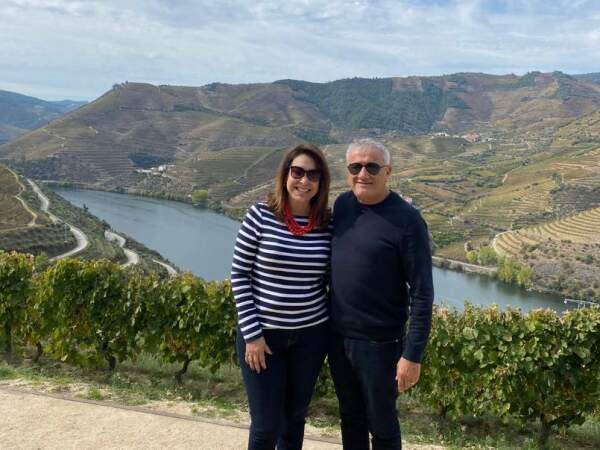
255	354
407	374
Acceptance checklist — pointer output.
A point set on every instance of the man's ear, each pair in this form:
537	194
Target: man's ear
388	169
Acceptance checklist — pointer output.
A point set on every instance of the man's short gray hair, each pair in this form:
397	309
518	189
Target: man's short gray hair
369	143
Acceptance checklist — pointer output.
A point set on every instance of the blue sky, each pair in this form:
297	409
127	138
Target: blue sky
57	49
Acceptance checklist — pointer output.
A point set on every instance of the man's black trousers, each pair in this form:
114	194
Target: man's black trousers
364	375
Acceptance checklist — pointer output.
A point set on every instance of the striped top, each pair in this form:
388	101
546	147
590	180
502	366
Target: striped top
279	279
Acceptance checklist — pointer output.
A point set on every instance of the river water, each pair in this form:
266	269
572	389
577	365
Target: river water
202	241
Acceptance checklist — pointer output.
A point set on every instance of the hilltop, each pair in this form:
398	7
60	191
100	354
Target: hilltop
20	113
137	126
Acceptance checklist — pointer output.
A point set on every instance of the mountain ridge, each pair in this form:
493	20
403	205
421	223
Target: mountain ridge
134	126
20	113
479	154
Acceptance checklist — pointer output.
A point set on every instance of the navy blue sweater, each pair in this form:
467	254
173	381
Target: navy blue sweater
381	273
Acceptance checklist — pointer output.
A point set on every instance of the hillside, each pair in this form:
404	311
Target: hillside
15	212
535	159
591	77
137	126
20	113
23	227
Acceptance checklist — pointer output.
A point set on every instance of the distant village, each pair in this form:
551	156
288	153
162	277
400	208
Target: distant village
159	171
471	137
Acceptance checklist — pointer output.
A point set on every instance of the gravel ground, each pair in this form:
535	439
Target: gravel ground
30	420
33	421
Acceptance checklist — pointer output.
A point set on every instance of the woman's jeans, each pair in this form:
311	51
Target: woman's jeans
364	375
279	396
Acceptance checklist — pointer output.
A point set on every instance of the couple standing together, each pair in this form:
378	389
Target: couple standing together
307	285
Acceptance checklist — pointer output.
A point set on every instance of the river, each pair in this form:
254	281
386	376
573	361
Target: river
202	241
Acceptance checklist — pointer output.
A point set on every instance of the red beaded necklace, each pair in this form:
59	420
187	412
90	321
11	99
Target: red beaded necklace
292	225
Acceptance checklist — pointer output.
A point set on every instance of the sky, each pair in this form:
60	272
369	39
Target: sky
74	49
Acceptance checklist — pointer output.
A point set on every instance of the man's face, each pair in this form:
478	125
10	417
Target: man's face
368	188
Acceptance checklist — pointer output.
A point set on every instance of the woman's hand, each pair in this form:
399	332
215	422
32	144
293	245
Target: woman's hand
255	354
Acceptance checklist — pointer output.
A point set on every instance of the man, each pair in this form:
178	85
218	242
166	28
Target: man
381	276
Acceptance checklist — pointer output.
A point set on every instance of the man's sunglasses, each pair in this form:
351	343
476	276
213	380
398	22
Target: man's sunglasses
298	173
372	168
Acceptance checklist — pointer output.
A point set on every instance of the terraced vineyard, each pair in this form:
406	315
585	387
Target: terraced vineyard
52	239
583	228
14	212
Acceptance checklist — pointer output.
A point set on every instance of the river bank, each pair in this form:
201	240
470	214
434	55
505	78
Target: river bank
540	285
201	241
99	246
461	266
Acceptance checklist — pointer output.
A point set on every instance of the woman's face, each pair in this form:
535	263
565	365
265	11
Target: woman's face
302	190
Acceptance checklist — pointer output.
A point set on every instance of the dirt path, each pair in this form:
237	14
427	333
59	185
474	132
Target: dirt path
31	420
33	214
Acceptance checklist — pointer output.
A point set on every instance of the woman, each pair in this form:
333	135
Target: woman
280	262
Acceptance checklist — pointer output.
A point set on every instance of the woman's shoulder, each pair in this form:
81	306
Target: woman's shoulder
260	206
260	210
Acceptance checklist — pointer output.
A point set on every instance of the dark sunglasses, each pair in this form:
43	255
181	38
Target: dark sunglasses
372	168
298	173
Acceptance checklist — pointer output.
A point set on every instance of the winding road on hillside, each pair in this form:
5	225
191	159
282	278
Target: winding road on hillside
132	257
80	237
83	241
170	270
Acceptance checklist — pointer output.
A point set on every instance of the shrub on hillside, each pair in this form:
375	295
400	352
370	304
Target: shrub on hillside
200	197
472	257
85	313
534	367
15	287
537	367
192	320
487	256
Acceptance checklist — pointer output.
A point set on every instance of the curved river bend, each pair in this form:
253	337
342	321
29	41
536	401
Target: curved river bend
202	242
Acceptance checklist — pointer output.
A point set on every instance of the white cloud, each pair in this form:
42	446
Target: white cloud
61	48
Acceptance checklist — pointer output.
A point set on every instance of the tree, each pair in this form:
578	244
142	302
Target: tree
525	276
200	197
487	256
472	257
507	270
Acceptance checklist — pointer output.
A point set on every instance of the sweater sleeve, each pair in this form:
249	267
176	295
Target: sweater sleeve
416	260
244	256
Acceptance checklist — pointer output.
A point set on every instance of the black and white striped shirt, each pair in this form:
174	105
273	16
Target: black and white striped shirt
278	279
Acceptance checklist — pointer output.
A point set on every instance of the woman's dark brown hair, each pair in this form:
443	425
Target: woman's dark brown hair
318	204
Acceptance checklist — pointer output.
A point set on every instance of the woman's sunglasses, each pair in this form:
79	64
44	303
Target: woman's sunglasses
298	173
372	168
